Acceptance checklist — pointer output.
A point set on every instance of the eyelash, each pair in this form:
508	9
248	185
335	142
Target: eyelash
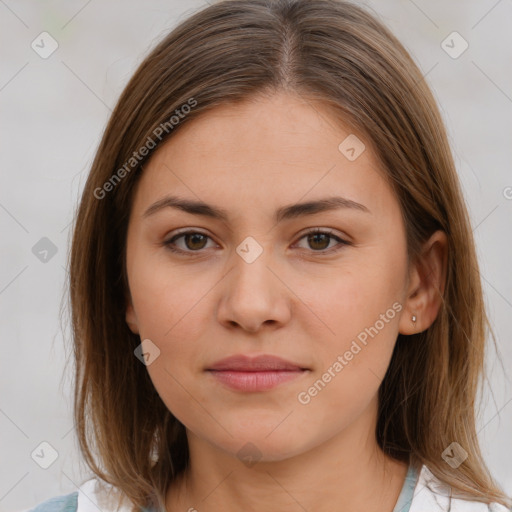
170	244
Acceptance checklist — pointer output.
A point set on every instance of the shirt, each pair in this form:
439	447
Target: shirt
421	492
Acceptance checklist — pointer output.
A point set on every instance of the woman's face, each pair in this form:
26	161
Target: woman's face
256	283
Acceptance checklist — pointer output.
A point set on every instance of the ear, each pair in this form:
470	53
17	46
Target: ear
131	317
427	277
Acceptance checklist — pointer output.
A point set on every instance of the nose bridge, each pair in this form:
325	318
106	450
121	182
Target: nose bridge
252	294
251	260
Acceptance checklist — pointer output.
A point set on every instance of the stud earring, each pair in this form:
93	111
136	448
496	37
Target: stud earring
413	318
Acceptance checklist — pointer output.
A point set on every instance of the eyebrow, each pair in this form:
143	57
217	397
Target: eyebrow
284	213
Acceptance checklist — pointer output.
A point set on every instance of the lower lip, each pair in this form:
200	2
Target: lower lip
255	381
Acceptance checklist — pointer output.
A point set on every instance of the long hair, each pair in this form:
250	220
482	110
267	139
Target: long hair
340	57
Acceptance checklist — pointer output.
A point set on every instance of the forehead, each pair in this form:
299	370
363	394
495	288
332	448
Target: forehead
278	149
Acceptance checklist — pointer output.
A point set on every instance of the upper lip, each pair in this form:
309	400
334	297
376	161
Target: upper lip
252	364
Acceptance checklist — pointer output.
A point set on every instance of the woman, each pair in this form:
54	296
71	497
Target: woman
321	347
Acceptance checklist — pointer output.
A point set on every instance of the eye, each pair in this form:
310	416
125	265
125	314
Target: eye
318	238
194	241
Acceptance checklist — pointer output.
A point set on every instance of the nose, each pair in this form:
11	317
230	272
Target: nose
254	294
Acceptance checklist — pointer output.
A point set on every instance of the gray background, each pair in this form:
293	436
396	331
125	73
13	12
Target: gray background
53	113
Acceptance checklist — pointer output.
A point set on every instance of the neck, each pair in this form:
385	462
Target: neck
347	472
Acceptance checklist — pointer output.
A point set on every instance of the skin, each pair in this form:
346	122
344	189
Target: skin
292	301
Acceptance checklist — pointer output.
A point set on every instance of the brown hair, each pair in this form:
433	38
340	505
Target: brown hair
335	54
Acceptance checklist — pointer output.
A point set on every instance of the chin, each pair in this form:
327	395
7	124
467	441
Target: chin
259	446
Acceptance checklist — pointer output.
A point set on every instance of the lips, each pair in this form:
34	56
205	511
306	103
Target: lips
262	363
255	374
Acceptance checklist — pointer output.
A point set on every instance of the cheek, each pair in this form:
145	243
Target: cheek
354	299
353	361
359	311
167	298
169	307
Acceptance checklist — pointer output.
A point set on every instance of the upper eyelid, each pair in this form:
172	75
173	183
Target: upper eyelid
306	231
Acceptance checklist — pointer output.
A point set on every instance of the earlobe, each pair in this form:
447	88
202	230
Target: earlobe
427	284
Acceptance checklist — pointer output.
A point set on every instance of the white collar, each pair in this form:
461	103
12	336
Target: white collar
430	495
96	495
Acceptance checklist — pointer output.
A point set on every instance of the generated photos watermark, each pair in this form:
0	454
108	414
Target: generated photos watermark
305	397
138	156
